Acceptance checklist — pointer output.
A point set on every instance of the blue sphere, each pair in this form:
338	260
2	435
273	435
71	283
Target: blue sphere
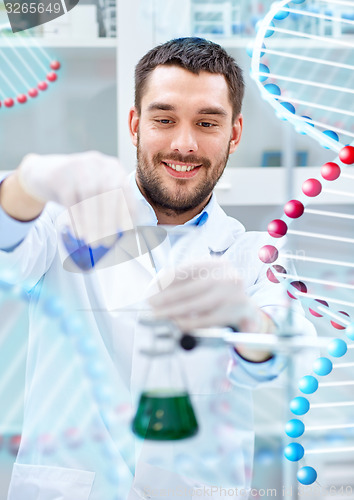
53	307
322	366
299	127
272	88
288	106
306	475
282	14
350	331
308	384
5	286
263	69
95	369
299	405
337	348
330	133
308	120
294	452
294	428
269	32
249	50
102	394
298	1
72	325
86	346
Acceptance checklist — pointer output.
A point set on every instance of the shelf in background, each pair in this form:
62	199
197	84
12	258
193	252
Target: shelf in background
59	42
235	42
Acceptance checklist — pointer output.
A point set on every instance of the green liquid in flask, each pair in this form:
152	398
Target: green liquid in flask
165	416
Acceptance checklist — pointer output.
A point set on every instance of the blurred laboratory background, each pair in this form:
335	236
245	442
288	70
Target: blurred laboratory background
98	44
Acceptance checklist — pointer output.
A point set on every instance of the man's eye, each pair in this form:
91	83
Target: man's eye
206	124
164	121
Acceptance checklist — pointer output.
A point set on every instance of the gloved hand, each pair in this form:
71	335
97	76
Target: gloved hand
91	185
211	294
207	294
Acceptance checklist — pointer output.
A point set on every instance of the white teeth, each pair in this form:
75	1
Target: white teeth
180	168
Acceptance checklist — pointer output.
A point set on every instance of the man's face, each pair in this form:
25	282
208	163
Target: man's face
184	136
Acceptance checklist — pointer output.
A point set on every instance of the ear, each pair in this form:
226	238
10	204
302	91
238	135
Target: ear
133	123
236	133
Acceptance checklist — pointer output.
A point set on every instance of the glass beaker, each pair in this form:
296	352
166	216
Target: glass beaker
165	410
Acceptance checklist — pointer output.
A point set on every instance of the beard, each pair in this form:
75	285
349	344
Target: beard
181	199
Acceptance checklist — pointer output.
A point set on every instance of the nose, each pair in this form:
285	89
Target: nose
184	140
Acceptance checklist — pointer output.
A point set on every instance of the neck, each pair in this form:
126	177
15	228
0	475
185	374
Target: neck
166	216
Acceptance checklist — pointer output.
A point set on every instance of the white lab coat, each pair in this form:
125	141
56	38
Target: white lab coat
86	377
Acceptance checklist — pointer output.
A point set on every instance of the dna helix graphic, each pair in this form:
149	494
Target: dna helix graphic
70	326
303	65
26	68
93	394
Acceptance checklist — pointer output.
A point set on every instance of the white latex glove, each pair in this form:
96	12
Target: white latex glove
208	294
91	185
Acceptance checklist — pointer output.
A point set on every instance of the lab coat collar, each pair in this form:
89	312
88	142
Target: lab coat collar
219	230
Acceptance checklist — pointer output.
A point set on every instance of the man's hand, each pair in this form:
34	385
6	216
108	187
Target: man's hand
69	180
210	294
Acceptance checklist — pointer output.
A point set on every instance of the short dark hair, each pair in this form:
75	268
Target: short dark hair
193	54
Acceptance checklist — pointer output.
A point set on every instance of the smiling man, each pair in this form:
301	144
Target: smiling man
184	144
185	123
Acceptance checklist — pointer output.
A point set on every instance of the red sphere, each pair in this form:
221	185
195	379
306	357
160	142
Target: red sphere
299	285
33	92
51	77
313	310
277	228
330	171
55	65
9	102
268	254
46	443
270	273
294	209
72	437
312	187
14	444
346	155
22	98
337	325
42	85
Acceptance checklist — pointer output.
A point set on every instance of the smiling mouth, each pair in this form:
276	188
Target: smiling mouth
181	168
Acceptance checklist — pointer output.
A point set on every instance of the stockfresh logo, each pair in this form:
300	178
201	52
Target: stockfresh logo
25	14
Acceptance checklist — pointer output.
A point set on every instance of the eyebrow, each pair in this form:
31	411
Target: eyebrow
212	110
160	106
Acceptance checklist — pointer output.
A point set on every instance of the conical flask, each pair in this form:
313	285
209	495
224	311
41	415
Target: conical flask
165	411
